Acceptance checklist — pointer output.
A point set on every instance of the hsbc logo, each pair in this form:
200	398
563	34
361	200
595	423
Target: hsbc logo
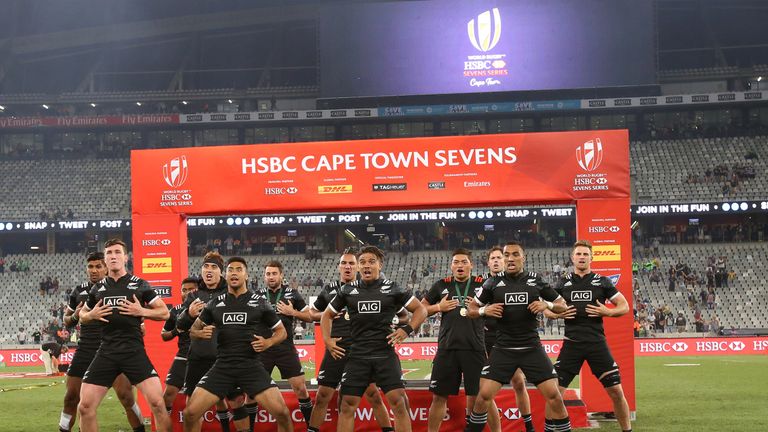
601	180
516	298
281	191
590	154
234	317
302	352
680	346
405	351
156	242
512	413
485	31
736	345
597	229
175	172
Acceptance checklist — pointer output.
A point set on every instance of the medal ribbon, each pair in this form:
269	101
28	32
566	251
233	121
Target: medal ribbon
462	298
279	294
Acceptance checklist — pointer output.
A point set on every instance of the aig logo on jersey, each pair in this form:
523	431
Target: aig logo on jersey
369	306
234	317
516	298
581	296
114	301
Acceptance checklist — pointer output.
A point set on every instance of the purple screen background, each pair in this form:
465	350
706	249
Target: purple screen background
419	47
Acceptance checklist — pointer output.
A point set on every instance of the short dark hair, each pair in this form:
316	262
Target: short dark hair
116	241
493	249
584	243
95	256
274	263
514	243
237	259
371	250
190	279
462	251
350	251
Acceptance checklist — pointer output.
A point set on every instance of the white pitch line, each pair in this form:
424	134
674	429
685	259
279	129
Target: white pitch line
683	364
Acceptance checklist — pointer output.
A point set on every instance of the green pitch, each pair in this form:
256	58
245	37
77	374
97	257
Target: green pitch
681	394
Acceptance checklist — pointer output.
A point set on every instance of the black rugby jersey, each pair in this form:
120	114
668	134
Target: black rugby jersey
371	308
285	294
90	333
580	291
489	323
458	332
182	339
237	320
122	333
517	327
340	328
200	349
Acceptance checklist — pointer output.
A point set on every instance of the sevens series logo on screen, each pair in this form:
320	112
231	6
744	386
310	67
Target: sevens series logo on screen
486	33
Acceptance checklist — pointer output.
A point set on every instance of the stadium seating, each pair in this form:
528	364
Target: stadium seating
660	169
91	188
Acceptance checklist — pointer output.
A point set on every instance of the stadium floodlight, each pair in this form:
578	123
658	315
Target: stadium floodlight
45	106
184	102
93	104
138	103
2	107
229	100
759	79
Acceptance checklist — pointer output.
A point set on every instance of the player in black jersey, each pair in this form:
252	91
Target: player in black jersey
90	339
174	381
237	315
331	369
460	344
372	302
495	264
120	302
202	352
523	295
289	304
586	293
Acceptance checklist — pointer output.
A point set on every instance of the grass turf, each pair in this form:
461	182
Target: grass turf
721	393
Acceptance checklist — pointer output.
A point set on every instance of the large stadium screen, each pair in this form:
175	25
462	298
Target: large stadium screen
449	46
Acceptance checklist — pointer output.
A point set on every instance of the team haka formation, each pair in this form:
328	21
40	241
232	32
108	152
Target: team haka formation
230	338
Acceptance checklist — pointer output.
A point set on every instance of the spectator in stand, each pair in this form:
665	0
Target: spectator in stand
21	337
2	265
680	322
37	336
50	353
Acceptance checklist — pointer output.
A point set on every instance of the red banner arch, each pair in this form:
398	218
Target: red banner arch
590	168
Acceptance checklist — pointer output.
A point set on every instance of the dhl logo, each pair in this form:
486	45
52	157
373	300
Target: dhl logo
156	265
334	189
606	253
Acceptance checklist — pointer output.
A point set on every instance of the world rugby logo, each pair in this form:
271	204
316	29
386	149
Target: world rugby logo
485	31
175	172
590	154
